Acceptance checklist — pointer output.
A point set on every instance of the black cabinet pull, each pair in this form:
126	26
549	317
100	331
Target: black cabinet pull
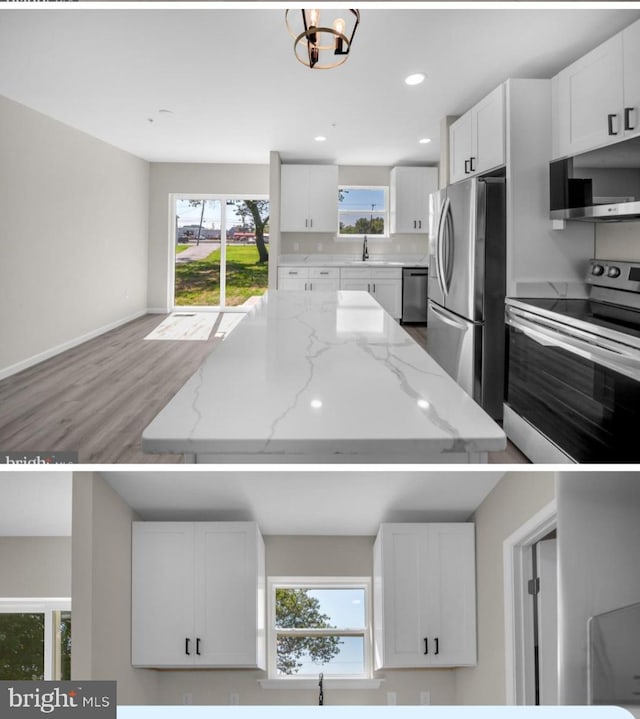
466	167
437	646
627	118
471	167
198	646
610	124
419	224
186	646
426	645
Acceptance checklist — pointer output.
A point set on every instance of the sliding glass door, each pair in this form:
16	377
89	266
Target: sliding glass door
220	251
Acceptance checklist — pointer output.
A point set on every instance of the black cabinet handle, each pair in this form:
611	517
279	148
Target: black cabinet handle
610	124
198	646
466	167
437	646
471	167
426	645
627	118
419	224
186	646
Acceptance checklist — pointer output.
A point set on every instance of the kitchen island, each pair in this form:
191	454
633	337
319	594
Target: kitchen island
322	377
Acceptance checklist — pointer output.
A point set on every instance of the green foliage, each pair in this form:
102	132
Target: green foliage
295	609
364	226
258	213
198	282
21	646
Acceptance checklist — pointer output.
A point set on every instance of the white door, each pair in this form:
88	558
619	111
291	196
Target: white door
389	294
631	64
488	132
460	147
547	613
162	594
294	198
323	198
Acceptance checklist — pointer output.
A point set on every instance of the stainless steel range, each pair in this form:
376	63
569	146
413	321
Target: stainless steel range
573	371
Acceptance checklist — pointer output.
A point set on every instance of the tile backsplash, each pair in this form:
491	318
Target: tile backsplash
618	241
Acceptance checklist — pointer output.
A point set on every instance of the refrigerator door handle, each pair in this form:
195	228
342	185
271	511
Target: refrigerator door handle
444	222
449	248
448	319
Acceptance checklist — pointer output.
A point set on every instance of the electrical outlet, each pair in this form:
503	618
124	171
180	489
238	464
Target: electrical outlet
234	699
187	698
392	698
425	698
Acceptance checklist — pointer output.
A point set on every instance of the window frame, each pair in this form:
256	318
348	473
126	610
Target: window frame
363	583
48	607
352	236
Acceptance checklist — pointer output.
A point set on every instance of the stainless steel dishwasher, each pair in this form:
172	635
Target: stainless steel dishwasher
414	294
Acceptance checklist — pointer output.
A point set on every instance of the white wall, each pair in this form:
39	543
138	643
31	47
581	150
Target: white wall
101	591
73	231
35	567
517	498
599	568
167	178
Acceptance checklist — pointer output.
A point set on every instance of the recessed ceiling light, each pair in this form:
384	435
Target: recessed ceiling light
424	140
415	79
320	138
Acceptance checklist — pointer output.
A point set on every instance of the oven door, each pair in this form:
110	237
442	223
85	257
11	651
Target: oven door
579	390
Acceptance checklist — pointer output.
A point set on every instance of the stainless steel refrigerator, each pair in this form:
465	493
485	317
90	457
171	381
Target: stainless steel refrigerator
465	322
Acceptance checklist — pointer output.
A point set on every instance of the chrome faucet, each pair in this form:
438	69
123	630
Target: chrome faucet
321	695
365	249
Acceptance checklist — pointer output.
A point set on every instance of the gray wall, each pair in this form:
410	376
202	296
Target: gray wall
167	178
35	567
599	566
517	498
73	228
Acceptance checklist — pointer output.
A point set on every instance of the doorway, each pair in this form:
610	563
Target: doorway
218	251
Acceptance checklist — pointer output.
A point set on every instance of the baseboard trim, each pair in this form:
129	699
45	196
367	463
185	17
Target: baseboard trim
58	349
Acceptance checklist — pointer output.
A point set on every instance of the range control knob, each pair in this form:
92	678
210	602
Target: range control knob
613	272
597	270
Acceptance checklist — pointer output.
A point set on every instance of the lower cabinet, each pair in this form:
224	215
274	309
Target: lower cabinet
309	278
424	596
384	283
198	594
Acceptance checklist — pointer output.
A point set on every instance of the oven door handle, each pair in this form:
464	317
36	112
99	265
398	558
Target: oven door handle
626	362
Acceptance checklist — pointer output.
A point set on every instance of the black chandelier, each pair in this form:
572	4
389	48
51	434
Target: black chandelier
322	46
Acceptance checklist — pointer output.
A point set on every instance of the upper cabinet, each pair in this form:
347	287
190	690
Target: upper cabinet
309	198
424	596
596	100
198	593
477	139
409	198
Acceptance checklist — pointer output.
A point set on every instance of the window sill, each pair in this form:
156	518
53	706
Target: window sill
309	684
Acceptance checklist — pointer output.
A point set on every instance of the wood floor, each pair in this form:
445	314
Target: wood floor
96	399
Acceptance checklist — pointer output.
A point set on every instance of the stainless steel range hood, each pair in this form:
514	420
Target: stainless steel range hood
602	185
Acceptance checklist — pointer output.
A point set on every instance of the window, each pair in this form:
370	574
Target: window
363	211
319	625
35	639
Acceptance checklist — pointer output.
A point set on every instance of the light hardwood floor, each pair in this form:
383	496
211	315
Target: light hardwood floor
96	399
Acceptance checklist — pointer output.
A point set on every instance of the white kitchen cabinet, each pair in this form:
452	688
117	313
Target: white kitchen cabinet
309	278
198	591
424	610
477	139
631	79
309	198
409	198
384	283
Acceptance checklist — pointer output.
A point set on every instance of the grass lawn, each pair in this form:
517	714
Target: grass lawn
181	248
198	282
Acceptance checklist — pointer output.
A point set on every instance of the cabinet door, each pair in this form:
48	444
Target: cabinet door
452	604
323	198
389	294
226	594
585	94
162	594
324	284
294	198
631	64
363	285
460	147
410	189
488	136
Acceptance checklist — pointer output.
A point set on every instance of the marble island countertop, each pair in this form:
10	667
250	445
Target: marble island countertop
322	377
321	260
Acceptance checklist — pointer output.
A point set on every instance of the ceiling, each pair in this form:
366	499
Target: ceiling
35	504
235	91
303	503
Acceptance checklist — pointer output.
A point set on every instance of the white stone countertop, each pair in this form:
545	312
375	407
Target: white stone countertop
320	260
322	377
